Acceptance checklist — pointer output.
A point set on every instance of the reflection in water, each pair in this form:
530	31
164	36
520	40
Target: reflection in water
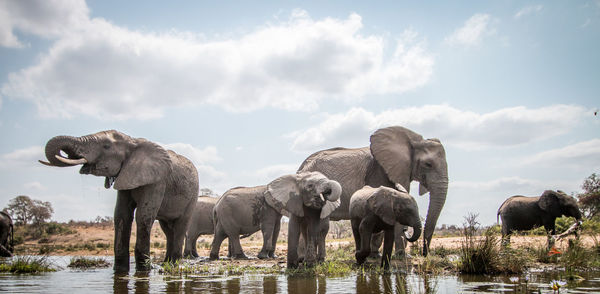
306	284
269	284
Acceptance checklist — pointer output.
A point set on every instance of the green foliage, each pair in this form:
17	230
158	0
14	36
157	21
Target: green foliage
25	210
563	224
27	265
478	255
88	262
589	200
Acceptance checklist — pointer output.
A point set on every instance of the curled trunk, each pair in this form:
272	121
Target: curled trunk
335	190
70	146
417	228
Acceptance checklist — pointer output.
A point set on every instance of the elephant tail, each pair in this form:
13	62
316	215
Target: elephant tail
500	209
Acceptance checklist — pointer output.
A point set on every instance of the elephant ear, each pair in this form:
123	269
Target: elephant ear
329	207
284	194
147	164
382	204
392	148
549	203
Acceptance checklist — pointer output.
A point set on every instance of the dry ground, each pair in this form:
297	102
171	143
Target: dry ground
75	243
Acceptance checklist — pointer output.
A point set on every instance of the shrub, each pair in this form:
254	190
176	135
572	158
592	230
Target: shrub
87	262
27	264
477	256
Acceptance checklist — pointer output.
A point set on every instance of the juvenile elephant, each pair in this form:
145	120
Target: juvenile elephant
396	156
373	210
245	210
6	235
153	182
200	224
519	213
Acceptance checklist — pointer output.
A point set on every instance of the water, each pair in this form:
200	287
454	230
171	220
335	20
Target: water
103	280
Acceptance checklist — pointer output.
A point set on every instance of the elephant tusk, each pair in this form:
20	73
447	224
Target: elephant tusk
45	163
322	198
71	161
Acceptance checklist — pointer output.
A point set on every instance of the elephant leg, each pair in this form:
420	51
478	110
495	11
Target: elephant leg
217	240
123	218
388	246
274	238
301	246
191	238
180	227
376	240
399	240
312	234
238	252
323	230
366	232
166	228
293	238
267	233
356	232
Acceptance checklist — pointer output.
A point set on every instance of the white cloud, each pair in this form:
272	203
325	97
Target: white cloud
102	70
534	9
46	18
28	156
582	155
464	129
35	186
267	174
208	175
473	31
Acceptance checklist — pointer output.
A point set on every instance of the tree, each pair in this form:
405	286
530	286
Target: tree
24	210
589	200
207	192
19	209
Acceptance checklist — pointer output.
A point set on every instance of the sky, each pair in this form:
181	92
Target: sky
248	89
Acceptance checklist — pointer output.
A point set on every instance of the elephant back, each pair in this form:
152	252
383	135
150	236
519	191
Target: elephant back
358	202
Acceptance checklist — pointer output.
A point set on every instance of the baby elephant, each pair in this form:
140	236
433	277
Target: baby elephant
520	213
373	210
201	224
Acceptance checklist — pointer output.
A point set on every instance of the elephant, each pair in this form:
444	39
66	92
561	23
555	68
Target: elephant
373	210
309	197
154	182
6	235
200	224
519	213
396	156
245	210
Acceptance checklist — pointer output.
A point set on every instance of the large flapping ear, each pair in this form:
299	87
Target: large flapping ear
329	207
284	194
392	148
382	204
148	163
549	203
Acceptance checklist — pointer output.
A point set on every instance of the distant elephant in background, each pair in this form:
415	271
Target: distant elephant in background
200	224
373	210
520	213
153	182
245	210
6	235
396	156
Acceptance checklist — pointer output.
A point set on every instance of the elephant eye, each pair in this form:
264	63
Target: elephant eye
106	146
428	164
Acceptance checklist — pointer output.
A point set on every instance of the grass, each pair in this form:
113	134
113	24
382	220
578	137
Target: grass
82	262
27	265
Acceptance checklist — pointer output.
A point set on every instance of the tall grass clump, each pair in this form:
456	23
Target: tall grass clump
477	255
82	262
27	265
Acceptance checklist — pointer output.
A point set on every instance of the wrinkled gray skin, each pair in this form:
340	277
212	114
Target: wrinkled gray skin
6	235
200	224
153	182
396	156
373	210
519	213
245	210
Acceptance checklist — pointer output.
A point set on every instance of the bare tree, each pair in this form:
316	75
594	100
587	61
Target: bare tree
20	209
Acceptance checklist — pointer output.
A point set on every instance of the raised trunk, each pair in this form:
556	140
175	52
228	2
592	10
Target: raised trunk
335	190
436	203
417	228
68	144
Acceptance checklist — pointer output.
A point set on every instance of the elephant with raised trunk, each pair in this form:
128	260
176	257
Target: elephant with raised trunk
154	182
245	210
520	213
396	156
373	210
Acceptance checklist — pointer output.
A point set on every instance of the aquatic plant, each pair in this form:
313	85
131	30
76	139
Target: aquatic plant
478	255
27	265
82	262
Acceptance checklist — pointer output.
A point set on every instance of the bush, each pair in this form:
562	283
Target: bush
478	255
87	262
26	265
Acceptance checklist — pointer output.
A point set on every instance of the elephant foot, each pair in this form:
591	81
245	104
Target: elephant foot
272	255
240	256
213	256
263	255
375	255
360	257
143	266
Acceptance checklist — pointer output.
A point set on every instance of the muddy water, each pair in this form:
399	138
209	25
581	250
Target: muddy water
104	281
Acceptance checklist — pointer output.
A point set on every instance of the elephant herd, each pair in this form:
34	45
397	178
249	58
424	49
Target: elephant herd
369	186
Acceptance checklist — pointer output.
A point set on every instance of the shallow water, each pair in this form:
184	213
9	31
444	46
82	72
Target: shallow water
103	280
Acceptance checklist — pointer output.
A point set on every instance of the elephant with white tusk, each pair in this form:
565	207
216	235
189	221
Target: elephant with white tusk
154	182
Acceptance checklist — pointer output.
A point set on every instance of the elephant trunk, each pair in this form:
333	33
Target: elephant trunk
71	146
417	228
436	203
332	191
